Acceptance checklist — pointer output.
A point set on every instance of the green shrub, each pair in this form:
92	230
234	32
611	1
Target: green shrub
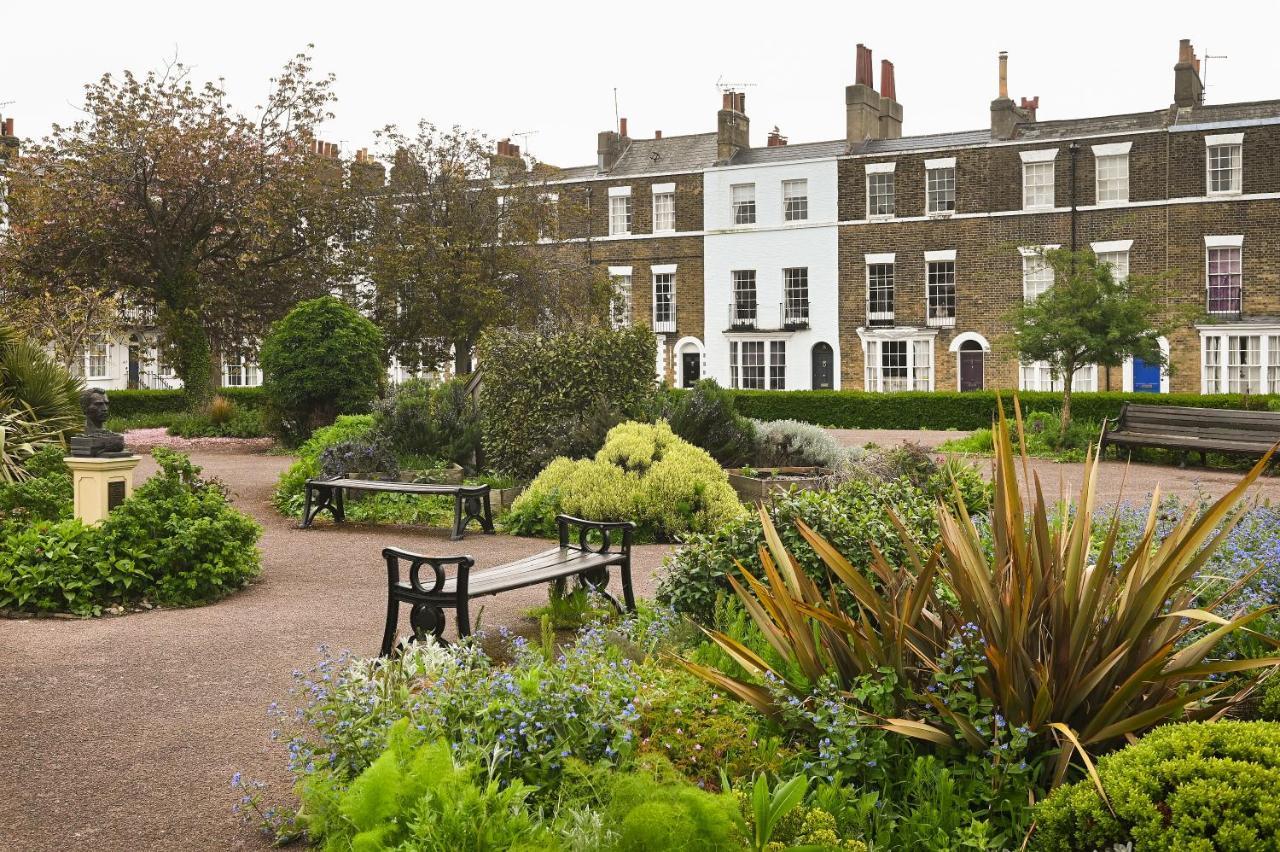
415	796
175	542
44	496
706	417
790	443
366	457
130	404
643	473
288	495
544	396
655	810
1269	701
847	409
432	421
322	360
852	517
1197	786
235	422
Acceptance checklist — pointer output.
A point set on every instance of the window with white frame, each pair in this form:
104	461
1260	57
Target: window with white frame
1039	376
619	210
664	207
664	299
1037	179
940	288
940	185
96	360
621	300
1223	278
758	364
1224	163
239	372
880	190
795	296
1240	361
795	200
743	312
880	289
1037	274
1116	255
549	224
899	365
743	198
1111	165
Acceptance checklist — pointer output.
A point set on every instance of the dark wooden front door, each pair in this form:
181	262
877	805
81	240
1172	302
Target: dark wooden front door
823	367
971	372
690	368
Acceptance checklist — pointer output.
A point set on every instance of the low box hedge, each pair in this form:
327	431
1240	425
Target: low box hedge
132	403
952	409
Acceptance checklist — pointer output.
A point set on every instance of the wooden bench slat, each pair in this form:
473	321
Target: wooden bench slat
397	487
1202	430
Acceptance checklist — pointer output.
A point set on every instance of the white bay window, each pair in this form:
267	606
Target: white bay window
758	364
1240	359
898	363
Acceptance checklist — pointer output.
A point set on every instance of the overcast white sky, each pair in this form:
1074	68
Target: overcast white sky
551	68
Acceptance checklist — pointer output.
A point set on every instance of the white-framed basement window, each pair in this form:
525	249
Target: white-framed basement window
1037	179
1111	167
898	363
1240	359
1224	164
1038	376
619	211
758	364
239	371
664	207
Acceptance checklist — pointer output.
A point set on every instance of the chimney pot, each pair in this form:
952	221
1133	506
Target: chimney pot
1004	74
622	127
886	80
862	71
776	139
8	127
727	101
1030	105
657	134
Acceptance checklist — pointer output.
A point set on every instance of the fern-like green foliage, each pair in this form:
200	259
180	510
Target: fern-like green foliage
39	403
415	797
656	810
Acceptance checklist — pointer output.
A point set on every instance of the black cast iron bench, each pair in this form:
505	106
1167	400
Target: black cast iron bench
470	502
1199	430
587	551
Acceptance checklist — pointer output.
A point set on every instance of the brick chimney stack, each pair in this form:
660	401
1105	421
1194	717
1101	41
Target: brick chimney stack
506	149
1005	114
366	172
862	102
1188	90
733	128
8	142
776	139
890	109
657	134
622	128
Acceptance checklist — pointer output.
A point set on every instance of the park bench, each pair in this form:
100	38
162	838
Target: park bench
470	502
1199	430
587	550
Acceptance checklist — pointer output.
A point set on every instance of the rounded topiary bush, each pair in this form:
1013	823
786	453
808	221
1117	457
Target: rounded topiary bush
322	360
643	473
1196	786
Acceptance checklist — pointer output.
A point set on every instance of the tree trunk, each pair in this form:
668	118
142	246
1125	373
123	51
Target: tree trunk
1066	408
462	357
193	359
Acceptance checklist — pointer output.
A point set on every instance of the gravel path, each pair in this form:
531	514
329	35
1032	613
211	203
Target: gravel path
123	733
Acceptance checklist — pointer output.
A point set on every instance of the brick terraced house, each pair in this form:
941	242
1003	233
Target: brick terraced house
888	262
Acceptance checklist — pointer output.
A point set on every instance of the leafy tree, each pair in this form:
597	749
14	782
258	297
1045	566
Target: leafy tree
323	359
163	192
1088	317
450	248
66	319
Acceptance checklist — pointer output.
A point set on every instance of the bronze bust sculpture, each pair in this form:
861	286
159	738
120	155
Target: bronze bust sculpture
97	441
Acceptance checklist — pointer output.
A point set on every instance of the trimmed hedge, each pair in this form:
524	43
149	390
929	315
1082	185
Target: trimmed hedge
952	409
131	403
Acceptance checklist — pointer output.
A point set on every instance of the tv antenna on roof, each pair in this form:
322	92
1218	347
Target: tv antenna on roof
524	140
725	86
1204	83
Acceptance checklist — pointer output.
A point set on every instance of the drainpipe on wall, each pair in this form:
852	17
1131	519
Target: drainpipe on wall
1074	148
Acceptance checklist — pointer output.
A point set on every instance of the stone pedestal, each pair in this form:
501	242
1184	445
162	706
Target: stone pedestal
100	484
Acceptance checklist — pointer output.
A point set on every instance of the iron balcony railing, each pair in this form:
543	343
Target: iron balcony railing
748	315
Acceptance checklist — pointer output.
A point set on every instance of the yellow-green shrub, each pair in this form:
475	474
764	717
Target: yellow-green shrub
643	473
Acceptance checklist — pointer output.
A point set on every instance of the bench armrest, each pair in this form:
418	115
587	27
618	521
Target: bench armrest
394	556
620	532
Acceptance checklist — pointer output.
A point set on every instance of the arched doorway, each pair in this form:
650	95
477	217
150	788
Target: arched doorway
823	366
688	362
972	366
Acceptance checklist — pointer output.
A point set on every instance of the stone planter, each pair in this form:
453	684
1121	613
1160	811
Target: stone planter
764	481
451	475
502	498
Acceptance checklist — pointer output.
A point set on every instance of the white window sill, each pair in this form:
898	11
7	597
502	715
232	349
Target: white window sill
664	230
619	233
880	217
941	214
1038	208
1223	193
1118	202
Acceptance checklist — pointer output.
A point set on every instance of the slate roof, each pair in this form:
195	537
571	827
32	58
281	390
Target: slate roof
784	153
668	155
